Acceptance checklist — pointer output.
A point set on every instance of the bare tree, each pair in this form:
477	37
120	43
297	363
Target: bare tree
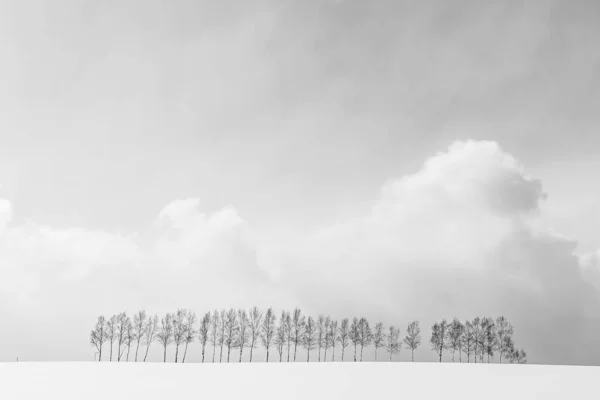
222	318
190	332
477	337
268	330
355	335
98	335
469	340
365	335
231	330
254	323
150	333
288	333
392	341
139	325
243	331
378	337
121	334
413	338
326	339
517	356
214	332
455	336
179	330
298	322
111	332
165	333
344	335
203	332
504	331
280	336
320	334
439	337
129	337
333	338
309	339
489	337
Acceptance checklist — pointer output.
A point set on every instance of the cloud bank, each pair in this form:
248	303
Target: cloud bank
463	236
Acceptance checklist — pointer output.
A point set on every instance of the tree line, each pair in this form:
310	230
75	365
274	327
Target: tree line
224	335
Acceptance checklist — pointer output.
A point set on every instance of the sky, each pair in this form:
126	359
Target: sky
397	160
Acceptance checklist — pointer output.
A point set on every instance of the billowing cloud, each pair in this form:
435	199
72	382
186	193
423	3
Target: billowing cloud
461	237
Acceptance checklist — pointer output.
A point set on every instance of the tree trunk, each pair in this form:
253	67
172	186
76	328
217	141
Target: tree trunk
412	354
307	355
214	351
176	352
267	354
146	354
241	349
319	357
184	352
354	353
343	349
361	352
203	349
111	347
137	349
228	352
100	354
333	354
375	353
128	347
251	348
295	350
165	355
221	355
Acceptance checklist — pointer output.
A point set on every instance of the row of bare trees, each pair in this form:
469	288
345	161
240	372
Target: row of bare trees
479	338
222	332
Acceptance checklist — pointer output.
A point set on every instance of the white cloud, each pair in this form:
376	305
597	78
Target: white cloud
462	236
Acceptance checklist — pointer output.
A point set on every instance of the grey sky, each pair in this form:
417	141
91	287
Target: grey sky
294	113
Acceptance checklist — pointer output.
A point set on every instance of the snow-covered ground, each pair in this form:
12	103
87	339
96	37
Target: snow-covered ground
95	381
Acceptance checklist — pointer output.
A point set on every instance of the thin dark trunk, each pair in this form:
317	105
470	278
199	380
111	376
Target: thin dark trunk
203	349
251	348
137	349
128	347
184	352
100	354
214	351
354	353
319	354
267	354
295	350
412	355
165	355
221	355
391	356
375	353
146	355
343	350
241	349
361	352
176	352
307	355
111	349
228	352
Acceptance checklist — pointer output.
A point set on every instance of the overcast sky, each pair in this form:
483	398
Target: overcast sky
397	160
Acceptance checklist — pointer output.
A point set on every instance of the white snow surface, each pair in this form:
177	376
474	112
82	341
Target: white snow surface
149	381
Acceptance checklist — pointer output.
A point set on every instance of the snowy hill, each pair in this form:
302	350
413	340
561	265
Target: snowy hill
115	381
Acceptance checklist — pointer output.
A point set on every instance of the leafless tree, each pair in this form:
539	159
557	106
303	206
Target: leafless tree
231	330
203	332
122	322
222	318
413	338
469	340
280	336
355	335
344	335
111	332
139	326
150	334
333	338
326	339
320	334
504	331
129	337
214	332
267	330
489	338
254	323
378	337
179	330
439	337
243	331
98	335
190	331
298	322
288	333
477	337
365	335
309	339
392	341
165	333
455	336
517	356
